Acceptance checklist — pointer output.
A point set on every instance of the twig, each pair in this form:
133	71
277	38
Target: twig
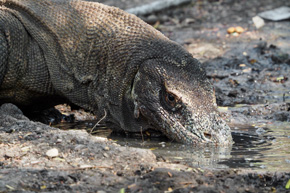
99	121
142	136
156	6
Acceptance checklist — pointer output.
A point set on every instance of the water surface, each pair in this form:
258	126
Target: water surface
263	147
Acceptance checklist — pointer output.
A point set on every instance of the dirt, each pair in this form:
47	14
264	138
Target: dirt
85	163
250	72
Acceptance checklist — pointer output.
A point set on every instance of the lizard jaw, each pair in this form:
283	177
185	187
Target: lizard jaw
191	132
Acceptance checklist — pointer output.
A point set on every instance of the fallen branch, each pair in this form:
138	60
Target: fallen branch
156	6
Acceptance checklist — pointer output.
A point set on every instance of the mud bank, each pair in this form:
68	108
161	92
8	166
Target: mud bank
84	163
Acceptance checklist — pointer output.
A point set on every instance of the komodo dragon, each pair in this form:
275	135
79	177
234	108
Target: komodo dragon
103	59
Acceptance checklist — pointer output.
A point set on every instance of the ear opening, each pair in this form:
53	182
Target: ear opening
134	84
134	95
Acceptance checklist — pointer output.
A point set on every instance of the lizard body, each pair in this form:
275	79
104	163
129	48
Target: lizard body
104	59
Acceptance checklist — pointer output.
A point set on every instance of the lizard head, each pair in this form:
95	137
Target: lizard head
176	98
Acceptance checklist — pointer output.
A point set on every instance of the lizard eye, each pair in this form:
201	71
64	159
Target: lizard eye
170	99
172	102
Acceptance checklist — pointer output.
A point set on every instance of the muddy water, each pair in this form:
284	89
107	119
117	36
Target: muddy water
264	147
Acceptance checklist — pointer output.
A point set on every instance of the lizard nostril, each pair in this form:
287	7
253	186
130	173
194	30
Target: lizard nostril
207	135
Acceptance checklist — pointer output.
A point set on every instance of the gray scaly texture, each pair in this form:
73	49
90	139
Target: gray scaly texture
104	59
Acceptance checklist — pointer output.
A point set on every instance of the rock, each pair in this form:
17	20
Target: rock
239	29
231	30
277	14
106	148
282	116
151	19
52	153
12	110
258	22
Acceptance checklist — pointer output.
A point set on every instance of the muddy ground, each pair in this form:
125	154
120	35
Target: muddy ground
250	68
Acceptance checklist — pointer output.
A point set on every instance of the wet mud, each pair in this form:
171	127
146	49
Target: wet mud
85	163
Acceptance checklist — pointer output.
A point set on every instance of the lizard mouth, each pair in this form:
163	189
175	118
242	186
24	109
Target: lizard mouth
209	130
220	134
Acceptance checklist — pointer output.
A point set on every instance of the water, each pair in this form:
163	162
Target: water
264	147
261	148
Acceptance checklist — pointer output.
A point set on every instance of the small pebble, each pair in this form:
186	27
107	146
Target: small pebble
106	148
258	22
9	154
52	152
189	20
152	19
235	34
105	155
231	30
263	166
239	29
101	191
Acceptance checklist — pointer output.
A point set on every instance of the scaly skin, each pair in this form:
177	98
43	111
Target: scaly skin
104	59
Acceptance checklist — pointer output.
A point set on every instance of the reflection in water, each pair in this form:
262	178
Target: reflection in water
206	156
266	148
244	152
